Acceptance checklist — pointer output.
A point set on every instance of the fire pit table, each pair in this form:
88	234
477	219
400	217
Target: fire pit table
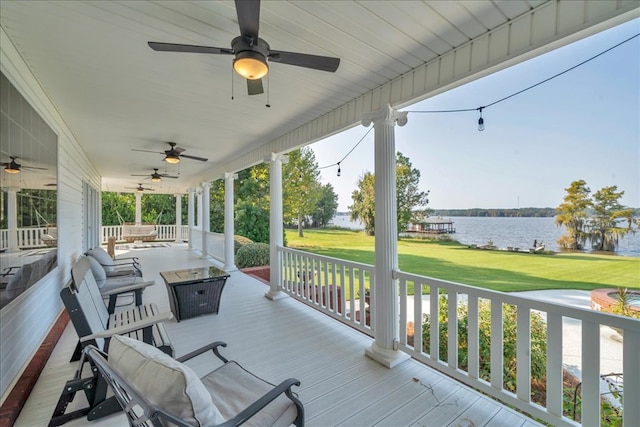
194	291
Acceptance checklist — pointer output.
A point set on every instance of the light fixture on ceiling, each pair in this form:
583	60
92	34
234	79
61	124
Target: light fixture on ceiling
251	65
10	169
480	121
155	178
172	158
339	171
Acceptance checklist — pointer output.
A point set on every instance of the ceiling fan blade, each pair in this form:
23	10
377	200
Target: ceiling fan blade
176	150
202	159
147	151
188	48
141	175
254	87
169	176
33	167
248	18
316	62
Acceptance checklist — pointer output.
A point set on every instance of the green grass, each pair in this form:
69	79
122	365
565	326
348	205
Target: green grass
498	270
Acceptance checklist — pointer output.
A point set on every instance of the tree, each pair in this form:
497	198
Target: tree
158	209
118	208
363	208
252	203
572	213
301	187
408	197
327	206
604	226
216	206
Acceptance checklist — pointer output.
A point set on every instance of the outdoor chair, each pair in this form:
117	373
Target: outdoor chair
115	267
157	390
96	324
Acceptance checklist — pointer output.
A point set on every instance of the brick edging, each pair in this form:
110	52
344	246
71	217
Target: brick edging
18	396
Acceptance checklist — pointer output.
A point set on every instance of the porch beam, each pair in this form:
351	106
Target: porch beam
276	228
385	287
229	260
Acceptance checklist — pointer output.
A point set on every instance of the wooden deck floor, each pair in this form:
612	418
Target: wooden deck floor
284	338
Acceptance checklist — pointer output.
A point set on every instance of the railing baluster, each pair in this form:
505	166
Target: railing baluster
591	373
452	329
497	352
417	316
554	363
523	353
434	337
473	337
631	368
402	289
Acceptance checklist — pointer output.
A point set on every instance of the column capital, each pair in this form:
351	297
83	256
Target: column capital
273	157
205	184
386	115
229	175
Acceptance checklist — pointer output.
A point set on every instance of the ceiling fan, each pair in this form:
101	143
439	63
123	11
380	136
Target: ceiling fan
15	167
157	177
174	154
251	52
140	188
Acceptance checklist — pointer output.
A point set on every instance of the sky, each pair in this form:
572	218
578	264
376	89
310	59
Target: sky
584	124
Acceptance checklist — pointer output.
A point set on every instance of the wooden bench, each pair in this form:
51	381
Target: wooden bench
144	233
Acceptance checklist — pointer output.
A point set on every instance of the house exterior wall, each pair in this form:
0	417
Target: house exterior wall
26	321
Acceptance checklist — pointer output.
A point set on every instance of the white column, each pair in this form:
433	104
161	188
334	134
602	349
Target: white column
275	223
178	218
199	210
385	289
138	208
206	214
12	219
229	260
190	215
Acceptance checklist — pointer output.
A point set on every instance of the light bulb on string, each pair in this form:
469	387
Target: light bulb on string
480	121
339	172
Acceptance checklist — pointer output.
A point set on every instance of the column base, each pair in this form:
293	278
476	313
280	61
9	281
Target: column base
275	295
388	358
230	268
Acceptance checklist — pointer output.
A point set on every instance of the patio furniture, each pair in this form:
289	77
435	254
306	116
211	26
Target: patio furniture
155	389
194	291
95	325
115	267
50	238
144	233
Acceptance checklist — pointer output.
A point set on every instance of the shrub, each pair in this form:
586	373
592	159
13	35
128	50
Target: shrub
240	241
253	255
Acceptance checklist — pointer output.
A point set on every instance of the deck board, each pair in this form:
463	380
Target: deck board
281	339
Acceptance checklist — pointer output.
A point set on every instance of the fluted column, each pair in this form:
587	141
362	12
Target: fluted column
190	215
229	260
275	223
206	214
385	289
12	218
178	218
138	208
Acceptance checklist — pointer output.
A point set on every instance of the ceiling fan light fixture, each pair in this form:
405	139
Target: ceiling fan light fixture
11	169
251	65
171	158
156	179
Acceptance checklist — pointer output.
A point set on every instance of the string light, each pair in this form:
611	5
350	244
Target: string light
481	124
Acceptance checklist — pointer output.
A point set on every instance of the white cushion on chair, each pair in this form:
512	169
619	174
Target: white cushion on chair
103	258
165	382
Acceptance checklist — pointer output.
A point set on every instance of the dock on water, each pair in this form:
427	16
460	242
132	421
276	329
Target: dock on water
436	225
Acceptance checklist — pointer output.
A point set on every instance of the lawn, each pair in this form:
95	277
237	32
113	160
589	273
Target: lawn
498	270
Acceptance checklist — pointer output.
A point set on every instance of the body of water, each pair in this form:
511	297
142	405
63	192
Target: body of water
514	232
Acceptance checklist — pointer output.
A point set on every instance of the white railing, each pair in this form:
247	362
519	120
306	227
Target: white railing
165	232
304	272
331	285
4	239
215	245
26	238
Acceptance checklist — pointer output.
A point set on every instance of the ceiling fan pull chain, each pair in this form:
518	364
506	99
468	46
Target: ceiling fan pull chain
268	84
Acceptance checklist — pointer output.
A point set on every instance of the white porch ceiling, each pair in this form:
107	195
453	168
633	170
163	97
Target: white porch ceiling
115	93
